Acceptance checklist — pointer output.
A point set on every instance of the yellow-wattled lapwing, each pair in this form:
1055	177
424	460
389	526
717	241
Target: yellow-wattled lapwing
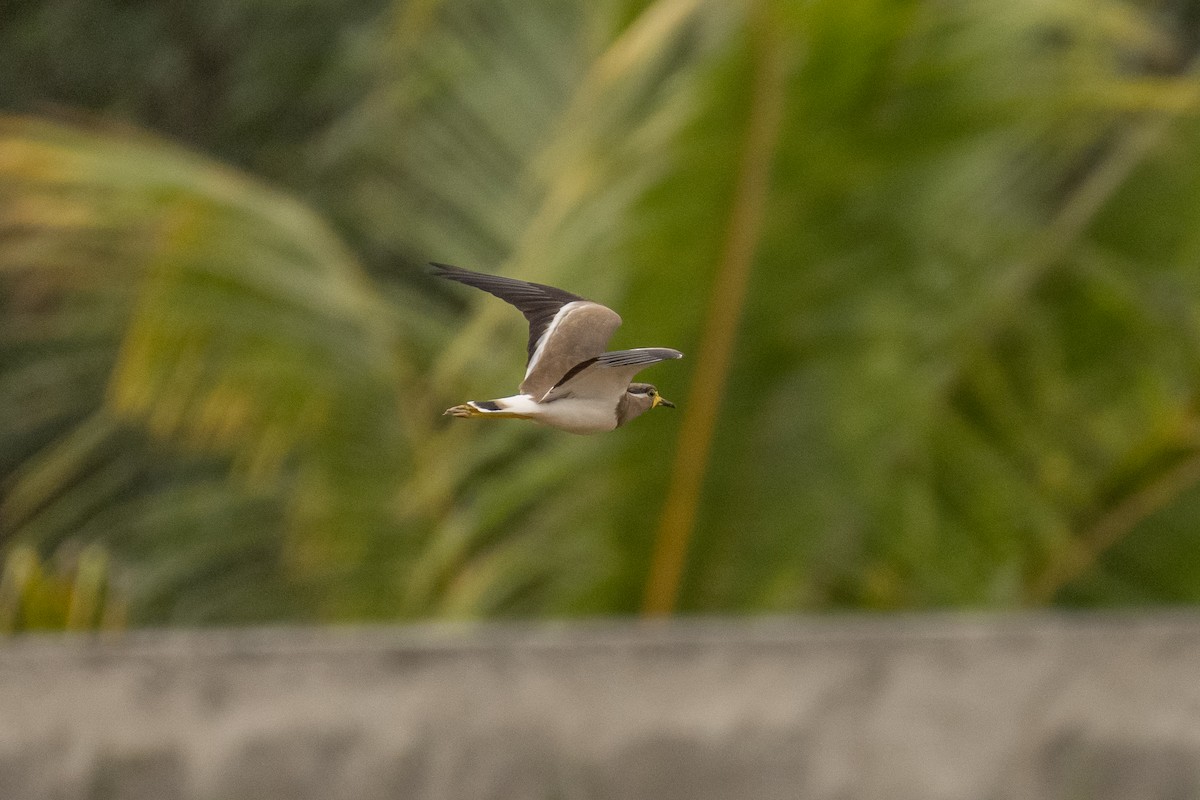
570	382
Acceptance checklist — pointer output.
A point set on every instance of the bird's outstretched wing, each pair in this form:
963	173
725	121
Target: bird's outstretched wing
564	329
607	375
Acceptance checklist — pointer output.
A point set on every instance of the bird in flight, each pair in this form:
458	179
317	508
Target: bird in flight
570	382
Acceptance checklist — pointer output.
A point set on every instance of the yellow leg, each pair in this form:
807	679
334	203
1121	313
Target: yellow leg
467	410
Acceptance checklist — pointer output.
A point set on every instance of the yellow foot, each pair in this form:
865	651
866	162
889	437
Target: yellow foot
463	410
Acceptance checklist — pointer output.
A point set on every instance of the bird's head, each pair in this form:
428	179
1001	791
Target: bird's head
641	398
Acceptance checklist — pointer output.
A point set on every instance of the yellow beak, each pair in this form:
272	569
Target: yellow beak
659	400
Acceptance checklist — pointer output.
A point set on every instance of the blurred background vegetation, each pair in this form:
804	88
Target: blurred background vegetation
935	264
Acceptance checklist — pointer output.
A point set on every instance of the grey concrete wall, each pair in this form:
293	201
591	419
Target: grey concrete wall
878	708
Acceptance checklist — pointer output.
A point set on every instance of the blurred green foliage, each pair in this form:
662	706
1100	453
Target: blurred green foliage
964	370
73	592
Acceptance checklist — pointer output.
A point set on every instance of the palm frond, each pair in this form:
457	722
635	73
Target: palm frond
216	314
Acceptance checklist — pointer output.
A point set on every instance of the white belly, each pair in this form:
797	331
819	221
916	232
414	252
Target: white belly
577	416
570	414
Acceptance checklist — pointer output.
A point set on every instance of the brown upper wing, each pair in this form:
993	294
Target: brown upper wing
564	328
578	333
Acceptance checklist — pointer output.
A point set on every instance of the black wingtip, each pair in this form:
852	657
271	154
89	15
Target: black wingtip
440	268
458	274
